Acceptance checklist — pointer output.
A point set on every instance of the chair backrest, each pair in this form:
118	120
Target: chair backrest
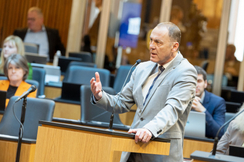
121	76
83	75
228	116
205	65
39	76
90	113
237	96
32	82
85	56
36	110
210	78
31	47
76	63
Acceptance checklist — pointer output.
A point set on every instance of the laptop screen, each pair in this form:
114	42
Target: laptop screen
236	151
3	95
196	125
70	91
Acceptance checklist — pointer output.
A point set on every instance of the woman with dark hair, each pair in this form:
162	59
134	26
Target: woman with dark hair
16	70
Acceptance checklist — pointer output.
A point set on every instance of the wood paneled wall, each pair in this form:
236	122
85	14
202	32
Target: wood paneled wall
13	15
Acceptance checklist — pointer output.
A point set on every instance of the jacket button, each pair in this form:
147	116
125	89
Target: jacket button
142	119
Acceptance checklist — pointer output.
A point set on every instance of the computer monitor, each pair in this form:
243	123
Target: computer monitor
36	58
63	62
3	95
70	91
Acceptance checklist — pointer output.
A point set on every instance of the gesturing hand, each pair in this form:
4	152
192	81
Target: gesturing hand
141	135
96	86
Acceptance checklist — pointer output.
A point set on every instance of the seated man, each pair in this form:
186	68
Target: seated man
213	106
48	39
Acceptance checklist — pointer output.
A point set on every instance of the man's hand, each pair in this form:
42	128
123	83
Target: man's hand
96	86
141	135
197	106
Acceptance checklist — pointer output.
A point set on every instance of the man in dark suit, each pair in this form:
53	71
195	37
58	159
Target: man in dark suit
213	106
48	39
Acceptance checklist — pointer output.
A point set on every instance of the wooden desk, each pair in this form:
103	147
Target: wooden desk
67	110
52	92
8	147
63	142
192	144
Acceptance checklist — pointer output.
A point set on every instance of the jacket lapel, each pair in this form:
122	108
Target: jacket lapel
159	81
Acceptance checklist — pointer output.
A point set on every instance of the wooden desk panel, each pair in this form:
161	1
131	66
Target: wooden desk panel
67	111
190	145
9	149
52	92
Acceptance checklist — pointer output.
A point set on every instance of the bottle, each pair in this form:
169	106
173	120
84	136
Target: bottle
55	59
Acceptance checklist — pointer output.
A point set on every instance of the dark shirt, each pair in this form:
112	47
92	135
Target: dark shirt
11	91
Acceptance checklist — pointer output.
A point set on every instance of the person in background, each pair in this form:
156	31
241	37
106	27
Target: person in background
16	70
210	104
162	89
234	135
13	44
47	38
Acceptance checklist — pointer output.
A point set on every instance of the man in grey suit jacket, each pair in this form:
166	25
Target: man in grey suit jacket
164	110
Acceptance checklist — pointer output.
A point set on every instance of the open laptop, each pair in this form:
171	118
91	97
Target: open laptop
3	95
70	91
195	125
36	58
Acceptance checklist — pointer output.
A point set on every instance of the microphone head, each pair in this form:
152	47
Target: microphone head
138	61
32	88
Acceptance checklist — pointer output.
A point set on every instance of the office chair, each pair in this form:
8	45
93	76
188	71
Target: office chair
31	47
83	75
39	76
93	115
228	116
85	56
76	63
120	77
32	82
36	110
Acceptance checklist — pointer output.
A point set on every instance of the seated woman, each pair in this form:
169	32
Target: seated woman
234	135
16	70
13	44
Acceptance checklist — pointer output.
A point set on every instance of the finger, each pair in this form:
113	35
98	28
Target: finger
92	79
97	77
141	136
132	131
137	136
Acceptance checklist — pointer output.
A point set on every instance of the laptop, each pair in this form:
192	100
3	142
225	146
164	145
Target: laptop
236	150
53	73
195	125
70	91
3	95
63	62
36	58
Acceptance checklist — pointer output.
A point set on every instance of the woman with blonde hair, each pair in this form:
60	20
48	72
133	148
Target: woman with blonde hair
13	45
234	135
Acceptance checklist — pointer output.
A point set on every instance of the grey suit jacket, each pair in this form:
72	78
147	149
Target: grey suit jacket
167	107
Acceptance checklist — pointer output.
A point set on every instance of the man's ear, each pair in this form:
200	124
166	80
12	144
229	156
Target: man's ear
175	46
205	84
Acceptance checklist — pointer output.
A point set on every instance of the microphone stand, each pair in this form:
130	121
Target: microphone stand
112	115
22	120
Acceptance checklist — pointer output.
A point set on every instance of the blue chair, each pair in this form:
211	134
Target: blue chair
93	115
85	56
76	63
36	110
83	75
120	77
228	116
39	76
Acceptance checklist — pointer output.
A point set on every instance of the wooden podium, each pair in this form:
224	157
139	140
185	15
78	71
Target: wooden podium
65	142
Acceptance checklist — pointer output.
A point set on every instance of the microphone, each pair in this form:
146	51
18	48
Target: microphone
31	89
112	115
216	137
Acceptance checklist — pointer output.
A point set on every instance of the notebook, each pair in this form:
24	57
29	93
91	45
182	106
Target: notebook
70	91
196	125
3	95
